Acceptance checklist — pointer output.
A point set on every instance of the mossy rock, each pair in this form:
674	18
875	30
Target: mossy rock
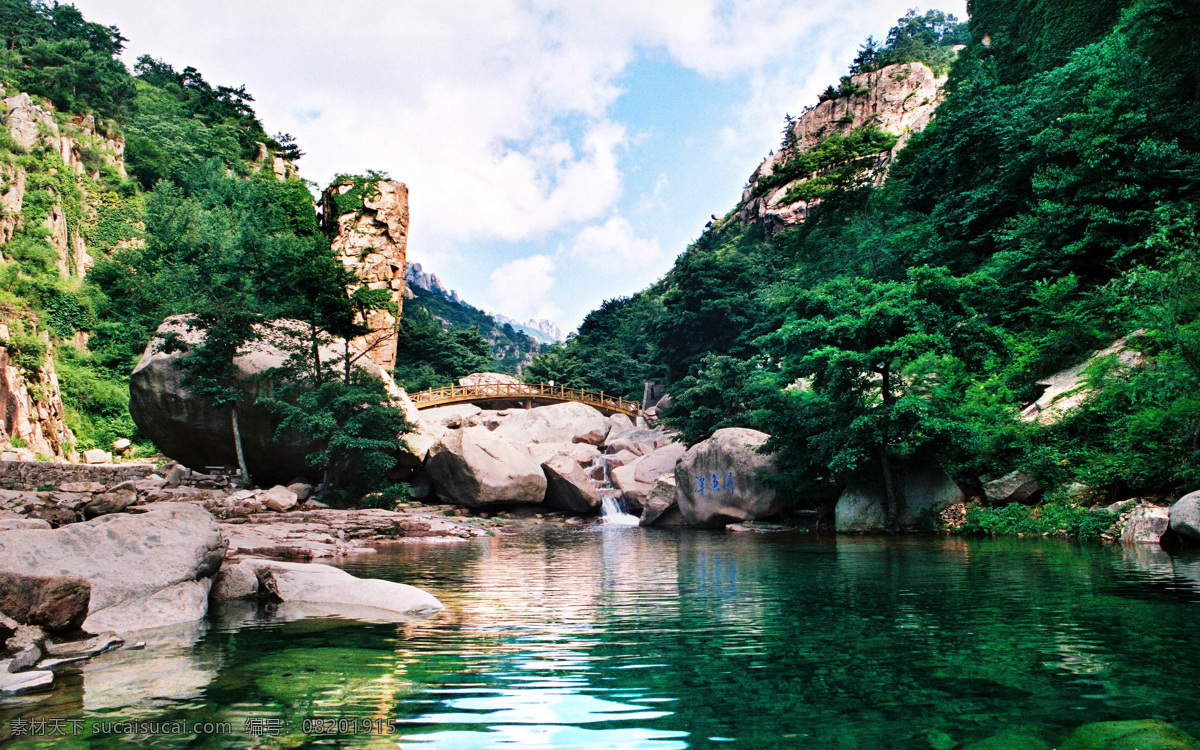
1013	739
1146	734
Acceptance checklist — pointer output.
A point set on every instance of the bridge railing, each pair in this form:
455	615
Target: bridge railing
483	391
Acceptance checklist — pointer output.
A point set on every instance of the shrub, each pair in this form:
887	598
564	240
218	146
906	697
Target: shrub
1054	519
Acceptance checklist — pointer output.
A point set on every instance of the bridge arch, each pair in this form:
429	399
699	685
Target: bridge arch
510	395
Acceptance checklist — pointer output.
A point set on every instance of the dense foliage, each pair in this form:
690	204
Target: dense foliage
197	228
1048	211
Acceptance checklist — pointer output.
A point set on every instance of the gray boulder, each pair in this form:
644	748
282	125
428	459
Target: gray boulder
1146	525
1185	516
475	467
922	495
190	430
636	478
568	487
113	501
729	466
237	581
1014	487
145	570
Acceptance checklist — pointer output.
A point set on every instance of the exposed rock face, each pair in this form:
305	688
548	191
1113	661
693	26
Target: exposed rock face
1066	390
54	603
145	570
475	467
416	277
189	430
372	241
899	99
1146	525
923	494
728	464
1184	516
31	407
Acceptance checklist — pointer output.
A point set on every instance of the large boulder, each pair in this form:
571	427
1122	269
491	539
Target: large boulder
54	603
488	378
1185	516
1147	524
922	495
636	478
323	584
190	430
568	487
1144	734
475	467
1014	487
568	422
145	570
662	504
720	481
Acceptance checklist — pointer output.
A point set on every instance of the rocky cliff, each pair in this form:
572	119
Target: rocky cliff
52	170
368	219
898	100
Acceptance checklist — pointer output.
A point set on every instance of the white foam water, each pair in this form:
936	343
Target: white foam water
612	504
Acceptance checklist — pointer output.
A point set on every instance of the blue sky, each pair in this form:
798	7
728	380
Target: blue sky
557	153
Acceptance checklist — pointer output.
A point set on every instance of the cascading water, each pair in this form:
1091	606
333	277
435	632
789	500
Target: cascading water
612	503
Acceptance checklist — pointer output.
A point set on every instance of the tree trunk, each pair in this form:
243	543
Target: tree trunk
237	442
316	353
347	362
892	502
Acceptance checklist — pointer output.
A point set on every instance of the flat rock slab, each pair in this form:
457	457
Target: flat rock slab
322	584
85	648
21	683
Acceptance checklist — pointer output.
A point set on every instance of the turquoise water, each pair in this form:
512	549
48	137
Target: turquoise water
635	638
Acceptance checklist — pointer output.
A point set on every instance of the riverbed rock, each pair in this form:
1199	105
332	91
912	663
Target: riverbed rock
55	603
923	494
237	581
475	467
145	570
728	459
26	658
662	504
1014	487
1146	525
568	487
323	584
637	478
191	431
1184	515
569	422
21	683
1144	734
279	498
85	648
113	501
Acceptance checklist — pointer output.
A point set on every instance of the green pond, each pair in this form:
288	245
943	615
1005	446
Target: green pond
656	639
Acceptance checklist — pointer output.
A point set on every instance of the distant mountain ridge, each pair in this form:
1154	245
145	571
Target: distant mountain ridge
540	330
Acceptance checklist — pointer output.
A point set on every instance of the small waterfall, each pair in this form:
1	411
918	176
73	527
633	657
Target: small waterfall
612	504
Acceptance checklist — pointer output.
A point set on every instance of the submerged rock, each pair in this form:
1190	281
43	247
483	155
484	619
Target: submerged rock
719	480
145	570
1146	734
475	467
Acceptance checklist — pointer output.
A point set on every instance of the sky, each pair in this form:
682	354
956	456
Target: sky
557	154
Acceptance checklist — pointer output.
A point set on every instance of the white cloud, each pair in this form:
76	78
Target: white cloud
520	288
614	246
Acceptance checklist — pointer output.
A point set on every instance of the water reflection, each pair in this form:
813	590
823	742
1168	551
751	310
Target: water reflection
643	638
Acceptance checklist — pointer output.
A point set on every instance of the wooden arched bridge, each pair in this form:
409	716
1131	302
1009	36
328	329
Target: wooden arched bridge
507	395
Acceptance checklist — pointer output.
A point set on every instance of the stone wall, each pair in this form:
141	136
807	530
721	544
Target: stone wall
29	475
